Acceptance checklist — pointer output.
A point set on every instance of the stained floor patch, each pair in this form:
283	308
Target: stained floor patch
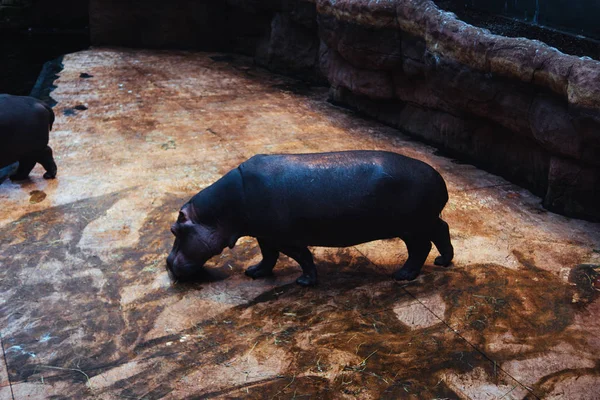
89	311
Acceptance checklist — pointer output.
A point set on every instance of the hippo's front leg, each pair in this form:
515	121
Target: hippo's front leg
264	268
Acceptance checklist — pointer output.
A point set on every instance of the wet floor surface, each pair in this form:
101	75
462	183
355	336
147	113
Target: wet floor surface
87	309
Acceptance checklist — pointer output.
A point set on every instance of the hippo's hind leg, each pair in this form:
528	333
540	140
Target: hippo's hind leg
441	239
303	257
264	268
418	250
45	158
26	164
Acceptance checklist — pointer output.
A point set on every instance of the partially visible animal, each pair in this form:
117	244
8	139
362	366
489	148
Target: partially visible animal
292	201
25	124
5	172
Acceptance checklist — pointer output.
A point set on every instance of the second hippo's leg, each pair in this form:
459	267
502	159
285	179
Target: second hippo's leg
441	239
45	158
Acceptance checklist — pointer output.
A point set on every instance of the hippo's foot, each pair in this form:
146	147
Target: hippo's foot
406	274
45	158
443	261
19	177
258	271
50	175
307	280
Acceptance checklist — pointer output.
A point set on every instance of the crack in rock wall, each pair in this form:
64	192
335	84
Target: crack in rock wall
514	106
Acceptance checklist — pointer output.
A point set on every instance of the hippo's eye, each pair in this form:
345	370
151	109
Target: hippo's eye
181	218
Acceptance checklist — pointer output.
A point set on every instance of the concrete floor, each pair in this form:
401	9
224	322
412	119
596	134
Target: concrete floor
88	311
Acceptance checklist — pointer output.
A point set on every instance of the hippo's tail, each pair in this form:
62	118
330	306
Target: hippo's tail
51	117
438	195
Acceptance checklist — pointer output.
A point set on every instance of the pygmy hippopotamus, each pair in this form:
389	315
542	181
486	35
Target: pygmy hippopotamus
25	123
291	201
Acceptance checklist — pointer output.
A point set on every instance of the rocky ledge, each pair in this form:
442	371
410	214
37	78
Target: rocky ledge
514	106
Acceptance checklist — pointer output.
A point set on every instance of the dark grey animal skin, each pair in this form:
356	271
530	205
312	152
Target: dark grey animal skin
25	123
7	171
289	202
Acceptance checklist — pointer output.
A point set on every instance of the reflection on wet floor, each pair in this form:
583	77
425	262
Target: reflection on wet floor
89	311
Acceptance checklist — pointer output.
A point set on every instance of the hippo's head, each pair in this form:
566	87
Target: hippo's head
195	243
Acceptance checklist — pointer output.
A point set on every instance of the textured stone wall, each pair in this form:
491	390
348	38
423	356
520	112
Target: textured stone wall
514	106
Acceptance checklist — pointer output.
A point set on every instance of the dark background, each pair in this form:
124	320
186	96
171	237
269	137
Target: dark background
576	16
35	31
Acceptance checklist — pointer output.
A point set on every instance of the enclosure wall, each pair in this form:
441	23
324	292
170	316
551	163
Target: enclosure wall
514	106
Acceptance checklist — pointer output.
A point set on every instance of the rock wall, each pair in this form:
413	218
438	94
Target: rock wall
514	106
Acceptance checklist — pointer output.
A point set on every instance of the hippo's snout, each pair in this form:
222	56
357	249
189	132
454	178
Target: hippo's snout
182	269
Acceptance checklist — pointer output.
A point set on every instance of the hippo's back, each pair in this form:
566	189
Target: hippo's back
339	198
24	126
20	112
